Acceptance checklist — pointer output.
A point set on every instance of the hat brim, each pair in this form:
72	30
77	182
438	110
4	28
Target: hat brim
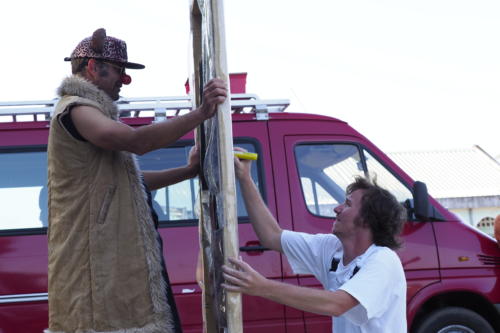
133	65
130	65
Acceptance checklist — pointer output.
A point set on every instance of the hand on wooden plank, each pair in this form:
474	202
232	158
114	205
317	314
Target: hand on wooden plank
214	93
194	161
243	278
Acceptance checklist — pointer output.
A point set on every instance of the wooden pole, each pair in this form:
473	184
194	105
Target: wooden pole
218	218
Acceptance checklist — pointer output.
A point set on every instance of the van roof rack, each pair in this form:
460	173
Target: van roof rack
159	107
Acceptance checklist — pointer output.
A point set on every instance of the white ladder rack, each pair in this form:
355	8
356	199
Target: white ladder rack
159	107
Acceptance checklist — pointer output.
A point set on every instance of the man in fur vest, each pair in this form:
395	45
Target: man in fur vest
106	270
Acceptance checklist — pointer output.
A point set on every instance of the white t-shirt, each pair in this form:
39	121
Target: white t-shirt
379	283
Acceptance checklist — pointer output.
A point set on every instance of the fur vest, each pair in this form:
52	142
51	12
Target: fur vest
104	267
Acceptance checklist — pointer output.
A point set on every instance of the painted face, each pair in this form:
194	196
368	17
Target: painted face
109	79
347	215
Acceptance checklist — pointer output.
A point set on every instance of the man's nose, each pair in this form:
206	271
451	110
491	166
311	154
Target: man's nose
338	209
126	79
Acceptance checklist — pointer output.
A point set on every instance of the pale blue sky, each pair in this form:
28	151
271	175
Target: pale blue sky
410	75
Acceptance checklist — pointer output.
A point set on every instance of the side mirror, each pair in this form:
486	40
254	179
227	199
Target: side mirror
421	201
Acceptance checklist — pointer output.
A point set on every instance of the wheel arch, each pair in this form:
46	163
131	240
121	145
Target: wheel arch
457	298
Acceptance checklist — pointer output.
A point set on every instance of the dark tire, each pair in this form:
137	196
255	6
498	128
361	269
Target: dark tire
454	320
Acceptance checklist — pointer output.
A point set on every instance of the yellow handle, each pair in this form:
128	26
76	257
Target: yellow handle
246	156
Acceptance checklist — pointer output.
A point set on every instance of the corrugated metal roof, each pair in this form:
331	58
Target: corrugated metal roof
453	173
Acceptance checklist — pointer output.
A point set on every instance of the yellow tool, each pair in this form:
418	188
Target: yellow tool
246	155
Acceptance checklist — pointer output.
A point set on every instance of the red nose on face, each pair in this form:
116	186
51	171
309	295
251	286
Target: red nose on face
126	79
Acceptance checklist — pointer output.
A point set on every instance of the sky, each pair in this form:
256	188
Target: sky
409	75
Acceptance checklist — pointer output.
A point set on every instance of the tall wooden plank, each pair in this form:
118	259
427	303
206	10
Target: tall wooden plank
218	218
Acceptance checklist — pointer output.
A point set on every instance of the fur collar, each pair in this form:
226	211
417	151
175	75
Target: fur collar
75	85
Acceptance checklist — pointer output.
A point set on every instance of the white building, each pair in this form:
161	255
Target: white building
466	181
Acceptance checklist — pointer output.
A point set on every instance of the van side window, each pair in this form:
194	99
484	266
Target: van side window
23	187
386	179
23	190
325	170
175	202
178	203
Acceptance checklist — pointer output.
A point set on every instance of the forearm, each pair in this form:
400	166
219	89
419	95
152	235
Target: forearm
265	225
109	134
241	277
323	302
162	178
159	135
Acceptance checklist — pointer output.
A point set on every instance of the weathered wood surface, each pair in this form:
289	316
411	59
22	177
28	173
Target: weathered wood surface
218	218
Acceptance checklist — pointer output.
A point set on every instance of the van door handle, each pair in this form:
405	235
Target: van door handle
188	291
253	246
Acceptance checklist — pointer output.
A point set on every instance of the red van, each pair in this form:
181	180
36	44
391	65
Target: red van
305	162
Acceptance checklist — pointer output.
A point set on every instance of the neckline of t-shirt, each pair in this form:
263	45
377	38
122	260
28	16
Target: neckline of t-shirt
359	260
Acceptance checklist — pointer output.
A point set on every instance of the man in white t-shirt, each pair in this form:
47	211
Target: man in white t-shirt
364	281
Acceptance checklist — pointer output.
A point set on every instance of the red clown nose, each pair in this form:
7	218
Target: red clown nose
126	79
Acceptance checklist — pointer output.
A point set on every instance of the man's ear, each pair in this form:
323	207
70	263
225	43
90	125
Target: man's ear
91	68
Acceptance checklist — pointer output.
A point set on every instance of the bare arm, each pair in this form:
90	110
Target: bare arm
112	135
265	225
245	279
162	178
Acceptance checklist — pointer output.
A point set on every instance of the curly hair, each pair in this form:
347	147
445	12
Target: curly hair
381	212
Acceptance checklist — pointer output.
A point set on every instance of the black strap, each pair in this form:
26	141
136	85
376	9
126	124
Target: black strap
335	265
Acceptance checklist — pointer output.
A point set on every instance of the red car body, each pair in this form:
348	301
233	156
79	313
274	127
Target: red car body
448	264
